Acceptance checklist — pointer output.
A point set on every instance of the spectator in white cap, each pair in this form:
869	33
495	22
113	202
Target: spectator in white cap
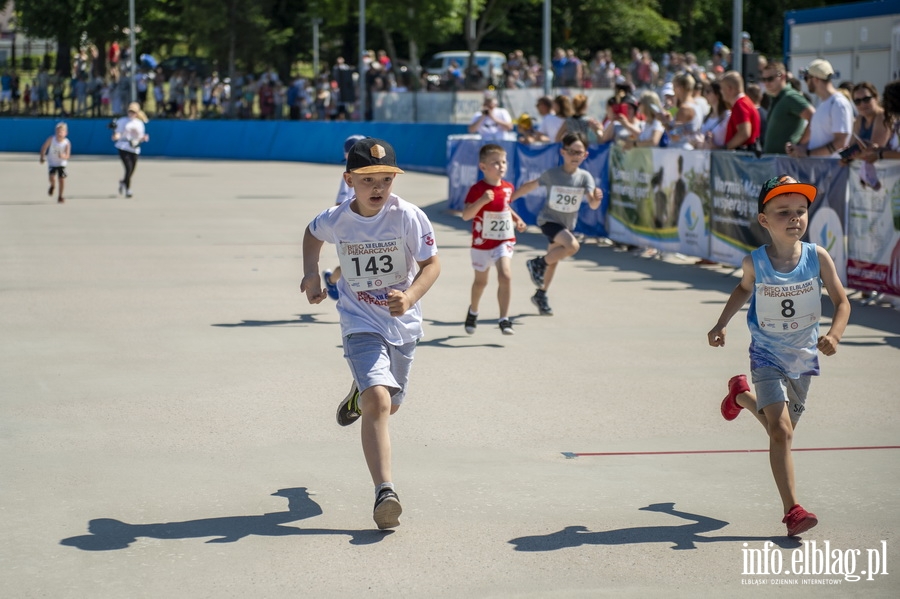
829	129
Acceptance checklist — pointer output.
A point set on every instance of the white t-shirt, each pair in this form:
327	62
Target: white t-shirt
131	134
646	133
834	115
489	129
377	254
55	151
718	125
550	126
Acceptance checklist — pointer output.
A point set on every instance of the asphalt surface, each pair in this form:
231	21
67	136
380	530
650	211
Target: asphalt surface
168	397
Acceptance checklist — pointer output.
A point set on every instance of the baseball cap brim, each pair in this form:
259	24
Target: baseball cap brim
804	189
377	168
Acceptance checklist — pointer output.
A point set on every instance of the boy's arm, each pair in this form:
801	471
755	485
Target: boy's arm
311	284
595	198
520	222
524	189
44	149
471	210
738	298
401	301
67	152
828	342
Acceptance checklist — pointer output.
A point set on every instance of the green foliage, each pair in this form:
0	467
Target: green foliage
257	34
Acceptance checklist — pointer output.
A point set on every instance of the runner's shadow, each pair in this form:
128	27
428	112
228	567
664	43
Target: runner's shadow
685	536
107	534
302	319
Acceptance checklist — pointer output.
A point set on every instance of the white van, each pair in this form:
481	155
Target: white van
490	63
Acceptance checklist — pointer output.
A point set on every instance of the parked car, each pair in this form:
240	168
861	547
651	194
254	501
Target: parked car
490	63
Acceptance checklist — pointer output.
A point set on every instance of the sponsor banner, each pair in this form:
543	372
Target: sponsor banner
873	229
737	178
660	198
631	208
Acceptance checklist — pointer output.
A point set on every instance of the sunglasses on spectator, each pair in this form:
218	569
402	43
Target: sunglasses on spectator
859	101
770	79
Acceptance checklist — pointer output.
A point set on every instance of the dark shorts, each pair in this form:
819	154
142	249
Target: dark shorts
550	230
58	170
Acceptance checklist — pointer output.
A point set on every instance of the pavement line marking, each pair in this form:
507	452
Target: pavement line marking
570	455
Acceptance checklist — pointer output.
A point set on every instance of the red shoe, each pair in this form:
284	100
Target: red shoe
730	408
798	520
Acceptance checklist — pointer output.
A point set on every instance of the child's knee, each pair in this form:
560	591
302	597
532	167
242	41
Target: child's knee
376	401
781	432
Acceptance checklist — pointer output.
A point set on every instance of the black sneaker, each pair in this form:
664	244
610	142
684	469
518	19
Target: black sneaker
539	299
348	410
506	327
471	322
387	509
536	270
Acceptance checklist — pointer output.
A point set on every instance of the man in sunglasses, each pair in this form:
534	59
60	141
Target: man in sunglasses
789	111
830	128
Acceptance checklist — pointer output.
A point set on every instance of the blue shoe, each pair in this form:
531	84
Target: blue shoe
330	287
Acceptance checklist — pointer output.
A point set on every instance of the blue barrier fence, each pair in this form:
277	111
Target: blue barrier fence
419	147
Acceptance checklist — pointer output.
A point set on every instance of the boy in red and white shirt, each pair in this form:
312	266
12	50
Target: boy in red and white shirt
493	233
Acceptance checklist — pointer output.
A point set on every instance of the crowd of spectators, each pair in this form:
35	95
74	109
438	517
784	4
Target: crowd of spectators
685	104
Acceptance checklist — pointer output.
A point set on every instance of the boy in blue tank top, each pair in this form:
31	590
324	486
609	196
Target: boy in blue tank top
783	281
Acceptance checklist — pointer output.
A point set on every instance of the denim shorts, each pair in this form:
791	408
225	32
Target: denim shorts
773	386
373	361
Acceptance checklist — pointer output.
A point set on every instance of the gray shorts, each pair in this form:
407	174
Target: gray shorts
373	361
773	386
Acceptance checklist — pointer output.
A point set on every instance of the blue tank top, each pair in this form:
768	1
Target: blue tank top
784	314
865	133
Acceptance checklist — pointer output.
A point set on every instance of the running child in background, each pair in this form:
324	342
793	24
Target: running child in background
567	185
389	257
345	192
57	150
493	235
783	281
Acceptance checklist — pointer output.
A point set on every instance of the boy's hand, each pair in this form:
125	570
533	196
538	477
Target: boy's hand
398	302
42	159
716	336
488	196
312	286
520	225
827	345
598	194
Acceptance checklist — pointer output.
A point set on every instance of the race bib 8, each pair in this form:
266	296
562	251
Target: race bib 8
370	265
566	199
497	225
788	308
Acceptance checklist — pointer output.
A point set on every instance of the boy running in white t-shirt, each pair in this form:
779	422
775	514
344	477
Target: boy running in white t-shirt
389	261
57	150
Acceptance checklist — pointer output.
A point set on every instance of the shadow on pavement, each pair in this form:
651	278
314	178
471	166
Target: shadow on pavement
107	534
685	536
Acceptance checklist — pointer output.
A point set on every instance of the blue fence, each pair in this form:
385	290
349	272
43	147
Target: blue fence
420	147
